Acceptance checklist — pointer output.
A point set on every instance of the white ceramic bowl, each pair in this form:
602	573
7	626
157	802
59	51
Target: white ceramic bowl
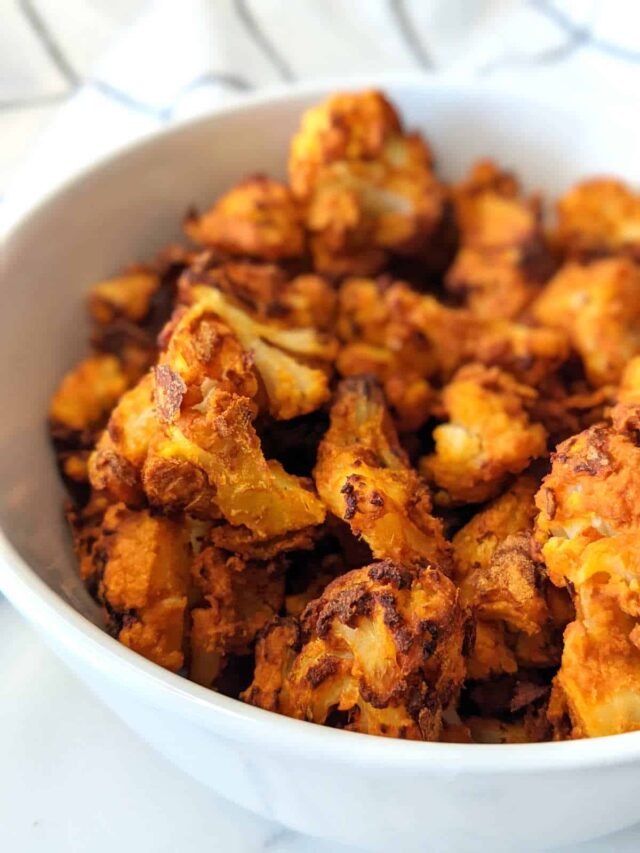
367	791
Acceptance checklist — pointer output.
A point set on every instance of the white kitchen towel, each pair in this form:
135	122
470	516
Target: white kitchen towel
78	77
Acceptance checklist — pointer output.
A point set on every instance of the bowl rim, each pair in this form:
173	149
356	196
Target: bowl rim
275	733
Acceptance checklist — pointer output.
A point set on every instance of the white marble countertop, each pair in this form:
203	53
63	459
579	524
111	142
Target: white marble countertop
73	777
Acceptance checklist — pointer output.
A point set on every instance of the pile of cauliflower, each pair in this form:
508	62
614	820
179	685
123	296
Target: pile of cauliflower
365	450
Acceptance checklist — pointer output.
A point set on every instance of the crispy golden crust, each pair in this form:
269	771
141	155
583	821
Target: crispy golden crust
367	189
143	563
502	261
590	494
364	477
236	599
127	296
348	126
220	448
407	340
87	394
488	436
516	623
115	465
259	217
598	306
283	357
383	645
597	690
629	390
599	216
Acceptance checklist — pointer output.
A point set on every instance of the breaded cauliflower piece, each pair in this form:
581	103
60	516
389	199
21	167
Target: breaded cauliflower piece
259	218
236	599
502	261
591	493
129	311
87	394
407	339
126	296
597	689
268	292
144	567
513	512
383	646
347	126
364	477
224	470
488	436
599	216
279	354
367	188
598	306
116	463
516	622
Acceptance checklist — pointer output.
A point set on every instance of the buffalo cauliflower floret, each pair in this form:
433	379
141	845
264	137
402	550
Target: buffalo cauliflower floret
517	623
599	216
488	436
279	354
268	292
116	463
502	259
364	477
591	493
224	468
407	339
597	689
144	568
598	306
87	394
127	296
382	647
236	599
367	188
259	217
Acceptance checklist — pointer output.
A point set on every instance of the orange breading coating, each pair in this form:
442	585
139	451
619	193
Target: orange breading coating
348	126
513	512
406	338
364	477
86	524
236	599
598	306
283	357
488	436
116	463
629	390
367	188
144	563
597	690
259	217
516	623
88	393
490	212
127	296
224	464
383	645
591	494
502	259
266	291
599	216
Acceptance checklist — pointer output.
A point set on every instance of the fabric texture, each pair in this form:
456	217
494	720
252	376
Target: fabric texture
78	77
